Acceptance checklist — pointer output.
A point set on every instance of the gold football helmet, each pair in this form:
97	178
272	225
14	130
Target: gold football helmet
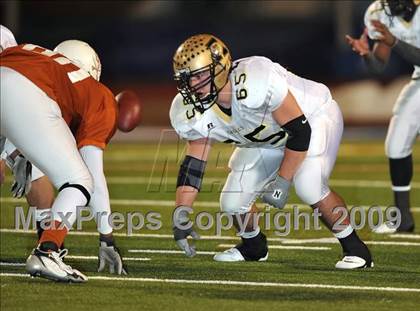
199	53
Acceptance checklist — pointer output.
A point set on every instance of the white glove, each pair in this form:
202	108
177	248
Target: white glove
180	220
276	192
110	255
22	171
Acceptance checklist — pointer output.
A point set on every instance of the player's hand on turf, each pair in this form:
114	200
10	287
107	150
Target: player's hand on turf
110	255
22	171
361	45
182	228
385	35
276	192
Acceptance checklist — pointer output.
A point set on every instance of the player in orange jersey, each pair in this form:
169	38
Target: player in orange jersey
39	191
60	117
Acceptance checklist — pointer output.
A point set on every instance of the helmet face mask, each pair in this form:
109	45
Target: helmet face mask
198	55
192	94
403	8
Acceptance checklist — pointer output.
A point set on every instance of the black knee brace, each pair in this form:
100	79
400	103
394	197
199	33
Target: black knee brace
79	187
191	172
401	171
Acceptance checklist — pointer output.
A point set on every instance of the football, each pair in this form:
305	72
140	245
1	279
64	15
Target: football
129	110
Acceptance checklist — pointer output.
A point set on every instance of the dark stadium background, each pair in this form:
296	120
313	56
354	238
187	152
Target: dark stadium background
136	39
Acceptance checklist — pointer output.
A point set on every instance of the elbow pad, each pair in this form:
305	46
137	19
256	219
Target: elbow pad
191	172
299	132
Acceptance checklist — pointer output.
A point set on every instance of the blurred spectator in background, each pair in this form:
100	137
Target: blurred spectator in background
394	25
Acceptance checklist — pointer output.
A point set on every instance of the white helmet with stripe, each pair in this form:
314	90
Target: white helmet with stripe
81	54
7	39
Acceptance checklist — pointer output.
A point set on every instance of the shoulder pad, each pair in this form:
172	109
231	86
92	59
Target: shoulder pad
182	118
264	79
257	70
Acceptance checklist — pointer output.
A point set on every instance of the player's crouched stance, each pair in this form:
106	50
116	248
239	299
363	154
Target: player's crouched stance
60	117
287	129
37	188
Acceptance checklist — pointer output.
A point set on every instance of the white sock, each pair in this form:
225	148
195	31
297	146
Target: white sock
251	234
41	214
344	233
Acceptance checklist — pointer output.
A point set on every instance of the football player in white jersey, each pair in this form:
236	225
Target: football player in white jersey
287	131
394	25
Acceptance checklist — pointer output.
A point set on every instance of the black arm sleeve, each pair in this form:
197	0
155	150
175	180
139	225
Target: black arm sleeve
409	52
299	132
373	64
191	172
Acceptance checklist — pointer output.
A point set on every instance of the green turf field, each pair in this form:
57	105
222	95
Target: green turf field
299	273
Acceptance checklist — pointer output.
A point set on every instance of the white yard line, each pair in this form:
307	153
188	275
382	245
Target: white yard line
229	238
12	264
209	180
406	236
238	283
96	258
170	203
166	251
309	241
335	241
356	183
366	183
116	234
397	243
310	248
22	264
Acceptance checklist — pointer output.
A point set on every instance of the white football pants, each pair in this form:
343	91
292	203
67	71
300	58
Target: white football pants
252	168
405	122
9	148
33	123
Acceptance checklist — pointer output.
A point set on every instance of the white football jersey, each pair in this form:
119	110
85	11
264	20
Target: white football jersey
259	87
407	32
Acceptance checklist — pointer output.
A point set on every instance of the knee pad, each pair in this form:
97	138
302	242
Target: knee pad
231	203
81	188
399	140
311	192
86	180
394	149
